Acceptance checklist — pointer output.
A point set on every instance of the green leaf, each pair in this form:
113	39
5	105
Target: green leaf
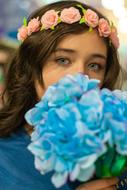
52	27
110	164
118	165
82	20
80	6
24	21
59	20
42	28
104	163
90	29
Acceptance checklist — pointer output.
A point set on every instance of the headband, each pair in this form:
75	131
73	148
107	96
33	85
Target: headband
71	15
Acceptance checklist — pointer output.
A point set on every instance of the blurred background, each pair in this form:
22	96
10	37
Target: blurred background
12	13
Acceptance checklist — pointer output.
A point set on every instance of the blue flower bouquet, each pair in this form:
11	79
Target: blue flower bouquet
79	130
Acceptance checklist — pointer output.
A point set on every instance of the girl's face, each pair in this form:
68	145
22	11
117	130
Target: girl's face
85	53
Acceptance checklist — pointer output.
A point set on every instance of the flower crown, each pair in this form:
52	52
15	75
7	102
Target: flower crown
70	15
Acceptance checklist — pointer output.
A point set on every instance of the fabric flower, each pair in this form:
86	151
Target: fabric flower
70	15
59	122
114	37
49	19
76	123
91	18
121	95
22	33
33	25
92	115
80	147
104	27
115	117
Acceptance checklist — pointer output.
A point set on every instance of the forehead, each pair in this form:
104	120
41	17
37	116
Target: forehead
84	43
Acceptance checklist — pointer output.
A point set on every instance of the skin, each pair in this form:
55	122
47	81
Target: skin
85	53
101	184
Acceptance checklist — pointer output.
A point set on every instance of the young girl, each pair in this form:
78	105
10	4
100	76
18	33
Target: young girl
62	38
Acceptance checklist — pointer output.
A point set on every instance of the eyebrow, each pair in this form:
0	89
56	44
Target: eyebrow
65	50
94	55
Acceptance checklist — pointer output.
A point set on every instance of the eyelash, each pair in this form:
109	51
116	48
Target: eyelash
58	59
100	67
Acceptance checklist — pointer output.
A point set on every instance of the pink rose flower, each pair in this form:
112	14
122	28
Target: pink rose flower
91	18
70	15
114	37
33	25
49	19
104	27
22	34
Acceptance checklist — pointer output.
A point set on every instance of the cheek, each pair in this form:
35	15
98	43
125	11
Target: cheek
50	79
54	76
51	76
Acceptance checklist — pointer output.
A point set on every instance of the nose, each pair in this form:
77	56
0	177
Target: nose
79	67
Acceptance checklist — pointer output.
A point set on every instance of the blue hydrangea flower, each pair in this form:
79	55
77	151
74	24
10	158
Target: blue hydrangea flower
73	124
115	118
66	145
